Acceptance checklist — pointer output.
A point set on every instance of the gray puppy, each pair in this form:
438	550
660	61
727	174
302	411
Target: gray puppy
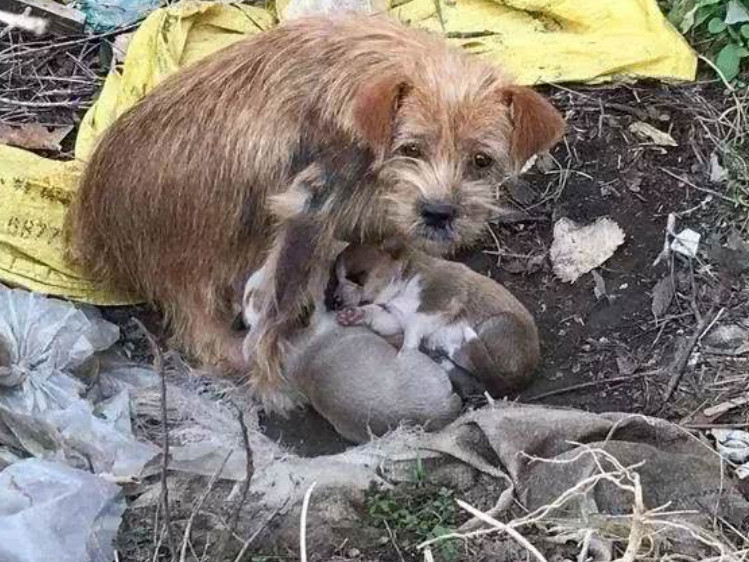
354	378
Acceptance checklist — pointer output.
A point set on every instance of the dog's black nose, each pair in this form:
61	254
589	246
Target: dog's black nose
438	215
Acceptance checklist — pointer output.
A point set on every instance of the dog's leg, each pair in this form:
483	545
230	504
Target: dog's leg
374	317
296	274
204	328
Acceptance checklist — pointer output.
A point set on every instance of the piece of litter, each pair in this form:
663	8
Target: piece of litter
34	136
599	290
44	409
299	8
733	445
647	132
686	243
119	47
579	249
717	172
49	511
24	22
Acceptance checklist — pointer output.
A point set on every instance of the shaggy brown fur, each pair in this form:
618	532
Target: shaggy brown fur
413	137
444	305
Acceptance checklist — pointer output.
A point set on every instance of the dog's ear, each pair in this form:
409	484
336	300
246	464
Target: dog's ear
375	109
536	125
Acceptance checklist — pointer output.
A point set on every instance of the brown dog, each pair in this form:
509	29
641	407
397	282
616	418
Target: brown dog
442	305
396	132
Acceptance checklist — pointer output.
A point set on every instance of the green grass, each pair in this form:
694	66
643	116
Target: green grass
717	28
414	512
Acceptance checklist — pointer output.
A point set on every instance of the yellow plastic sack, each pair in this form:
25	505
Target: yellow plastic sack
35	192
536	41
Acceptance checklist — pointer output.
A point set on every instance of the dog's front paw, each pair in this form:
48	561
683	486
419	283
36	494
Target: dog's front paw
351	316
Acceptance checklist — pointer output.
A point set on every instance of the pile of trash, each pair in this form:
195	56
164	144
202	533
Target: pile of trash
78	421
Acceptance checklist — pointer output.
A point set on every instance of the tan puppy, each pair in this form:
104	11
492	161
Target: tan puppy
398	133
354	378
442	305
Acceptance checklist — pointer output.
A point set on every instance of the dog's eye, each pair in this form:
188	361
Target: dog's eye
481	160
411	150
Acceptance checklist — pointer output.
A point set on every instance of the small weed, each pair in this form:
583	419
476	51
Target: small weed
415	512
719	28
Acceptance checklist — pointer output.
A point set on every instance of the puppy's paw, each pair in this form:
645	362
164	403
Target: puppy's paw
351	316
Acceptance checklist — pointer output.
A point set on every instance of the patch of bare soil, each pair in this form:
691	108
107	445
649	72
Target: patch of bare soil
610	349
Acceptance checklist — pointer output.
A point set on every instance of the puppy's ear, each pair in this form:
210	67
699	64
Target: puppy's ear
375	109
536	125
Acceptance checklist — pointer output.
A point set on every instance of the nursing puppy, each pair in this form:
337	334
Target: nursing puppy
442	305
405	135
354	378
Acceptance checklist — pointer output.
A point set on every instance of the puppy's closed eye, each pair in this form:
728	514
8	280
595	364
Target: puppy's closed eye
356	277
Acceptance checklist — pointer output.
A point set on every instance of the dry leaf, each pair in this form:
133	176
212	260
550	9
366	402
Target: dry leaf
34	136
625	363
578	249
663	294
648	132
717	172
599	290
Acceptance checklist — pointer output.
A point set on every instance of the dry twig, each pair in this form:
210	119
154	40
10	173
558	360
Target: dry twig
303	524
158	365
249	469
681	360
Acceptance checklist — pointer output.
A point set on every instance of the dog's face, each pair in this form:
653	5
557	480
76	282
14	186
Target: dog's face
447	141
363	273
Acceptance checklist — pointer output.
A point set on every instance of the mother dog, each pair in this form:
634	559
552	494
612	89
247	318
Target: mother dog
397	133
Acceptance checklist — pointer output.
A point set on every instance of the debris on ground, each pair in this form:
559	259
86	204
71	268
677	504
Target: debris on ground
733	445
34	136
647	132
49	511
686	243
663	295
544	451
44	411
577	249
35	25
